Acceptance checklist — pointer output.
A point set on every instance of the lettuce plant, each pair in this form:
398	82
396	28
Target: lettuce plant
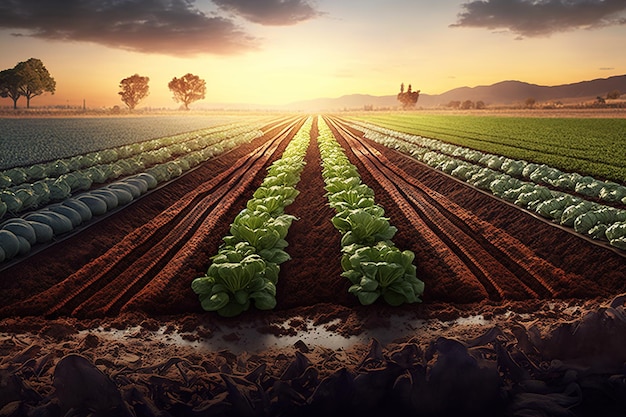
245	269
371	262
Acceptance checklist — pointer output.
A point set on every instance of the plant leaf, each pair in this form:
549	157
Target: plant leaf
367	298
215	302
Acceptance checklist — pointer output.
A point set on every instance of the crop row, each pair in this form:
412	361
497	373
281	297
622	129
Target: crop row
56	167
370	260
505	178
587	145
164	158
26	141
19	234
245	269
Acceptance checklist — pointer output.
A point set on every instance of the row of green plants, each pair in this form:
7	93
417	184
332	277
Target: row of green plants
245	269
370	260
592	146
18	235
66	208
432	149
146	150
522	183
164	158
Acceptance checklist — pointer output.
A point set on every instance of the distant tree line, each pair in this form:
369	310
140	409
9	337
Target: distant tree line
27	79
466	105
529	103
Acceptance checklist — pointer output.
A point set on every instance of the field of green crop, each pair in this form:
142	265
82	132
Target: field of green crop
26	141
590	146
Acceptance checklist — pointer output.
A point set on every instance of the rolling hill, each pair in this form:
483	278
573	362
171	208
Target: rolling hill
501	93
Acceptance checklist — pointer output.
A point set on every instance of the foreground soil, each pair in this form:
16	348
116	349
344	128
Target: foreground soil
517	317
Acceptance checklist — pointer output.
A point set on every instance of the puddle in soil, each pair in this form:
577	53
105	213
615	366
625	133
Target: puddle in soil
247	338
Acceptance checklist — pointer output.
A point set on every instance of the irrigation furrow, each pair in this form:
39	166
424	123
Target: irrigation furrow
504	266
107	282
457	255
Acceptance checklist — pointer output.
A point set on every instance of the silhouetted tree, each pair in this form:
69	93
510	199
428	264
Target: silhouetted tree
613	95
480	104
35	79
134	89
455	104
530	102
187	89
10	85
467	104
408	98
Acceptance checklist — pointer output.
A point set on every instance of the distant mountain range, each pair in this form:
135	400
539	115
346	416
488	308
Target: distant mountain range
502	93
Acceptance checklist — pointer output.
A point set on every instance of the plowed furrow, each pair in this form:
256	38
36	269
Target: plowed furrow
503	273
125	267
536	274
163	284
139	273
461	252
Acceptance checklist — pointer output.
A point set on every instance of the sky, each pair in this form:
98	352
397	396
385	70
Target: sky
275	52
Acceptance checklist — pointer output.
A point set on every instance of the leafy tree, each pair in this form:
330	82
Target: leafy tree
455	104
187	89
408	98
134	89
10	85
480	105
35	79
530	102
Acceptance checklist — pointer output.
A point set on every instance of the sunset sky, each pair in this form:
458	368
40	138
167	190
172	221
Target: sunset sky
280	51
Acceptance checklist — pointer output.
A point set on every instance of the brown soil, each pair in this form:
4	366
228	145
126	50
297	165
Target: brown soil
535	286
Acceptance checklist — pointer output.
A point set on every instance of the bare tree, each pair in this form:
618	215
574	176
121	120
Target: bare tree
187	89
134	89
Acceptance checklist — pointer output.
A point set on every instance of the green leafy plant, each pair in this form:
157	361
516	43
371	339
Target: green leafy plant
245	269
374	266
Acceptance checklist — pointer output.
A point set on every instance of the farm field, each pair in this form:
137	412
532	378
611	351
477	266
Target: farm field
26	141
584	145
517	316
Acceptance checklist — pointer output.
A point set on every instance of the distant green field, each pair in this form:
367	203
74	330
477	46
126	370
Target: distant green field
589	146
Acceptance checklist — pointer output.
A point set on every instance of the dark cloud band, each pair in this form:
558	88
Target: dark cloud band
270	12
172	27
541	17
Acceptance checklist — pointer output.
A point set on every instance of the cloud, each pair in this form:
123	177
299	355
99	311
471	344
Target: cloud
271	12
533	18
171	27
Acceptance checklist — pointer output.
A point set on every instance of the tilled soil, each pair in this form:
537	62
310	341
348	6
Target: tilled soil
118	294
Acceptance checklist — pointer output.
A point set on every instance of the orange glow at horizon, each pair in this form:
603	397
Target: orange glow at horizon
365	50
